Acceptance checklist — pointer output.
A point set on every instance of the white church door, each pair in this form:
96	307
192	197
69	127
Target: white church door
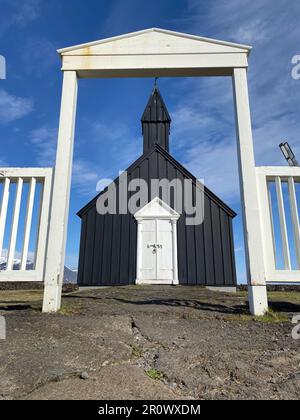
157	251
157	244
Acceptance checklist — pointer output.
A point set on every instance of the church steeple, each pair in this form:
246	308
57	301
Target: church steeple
156	122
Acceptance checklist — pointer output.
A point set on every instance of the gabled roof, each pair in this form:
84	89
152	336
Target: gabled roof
157	208
156	148
153	41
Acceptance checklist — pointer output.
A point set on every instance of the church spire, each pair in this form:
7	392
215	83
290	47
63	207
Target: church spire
156	122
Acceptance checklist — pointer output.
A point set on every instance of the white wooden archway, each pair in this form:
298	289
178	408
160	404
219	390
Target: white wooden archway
155	53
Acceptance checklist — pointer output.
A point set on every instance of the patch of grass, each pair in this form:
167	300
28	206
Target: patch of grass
285	296
239	318
155	374
293	296
70	309
271	317
137	352
13	297
241	294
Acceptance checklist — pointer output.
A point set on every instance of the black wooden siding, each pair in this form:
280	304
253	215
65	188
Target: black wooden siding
108	244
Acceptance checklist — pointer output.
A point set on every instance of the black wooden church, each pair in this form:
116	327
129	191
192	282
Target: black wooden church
157	244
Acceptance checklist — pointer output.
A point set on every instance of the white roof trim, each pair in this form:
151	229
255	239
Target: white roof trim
171	213
165	31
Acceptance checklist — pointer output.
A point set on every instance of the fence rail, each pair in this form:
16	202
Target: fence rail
279	190
27	189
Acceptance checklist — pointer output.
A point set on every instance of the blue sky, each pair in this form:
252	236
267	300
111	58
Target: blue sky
108	131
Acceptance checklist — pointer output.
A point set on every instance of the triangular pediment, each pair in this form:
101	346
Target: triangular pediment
155	41
157	209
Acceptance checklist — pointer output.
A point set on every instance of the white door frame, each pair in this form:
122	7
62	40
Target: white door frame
152	212
156	53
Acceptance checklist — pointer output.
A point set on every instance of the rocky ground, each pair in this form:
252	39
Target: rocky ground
148	343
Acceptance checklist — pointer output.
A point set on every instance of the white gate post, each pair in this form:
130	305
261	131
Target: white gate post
255	263
58	224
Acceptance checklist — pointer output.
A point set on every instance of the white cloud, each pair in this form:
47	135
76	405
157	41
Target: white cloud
253	31
27	12
203	135
18	14
86	173
13	107
85	177
39	56
44	140
243	22
112	149
223	180
111	132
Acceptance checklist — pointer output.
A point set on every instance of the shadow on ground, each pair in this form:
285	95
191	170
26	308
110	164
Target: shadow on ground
12	308
193	304
287	307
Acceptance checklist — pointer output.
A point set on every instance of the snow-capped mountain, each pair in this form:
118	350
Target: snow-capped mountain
70	276
2	260
16	264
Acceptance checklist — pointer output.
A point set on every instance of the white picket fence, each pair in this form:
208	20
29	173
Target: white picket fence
13	181
277	194
279	209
